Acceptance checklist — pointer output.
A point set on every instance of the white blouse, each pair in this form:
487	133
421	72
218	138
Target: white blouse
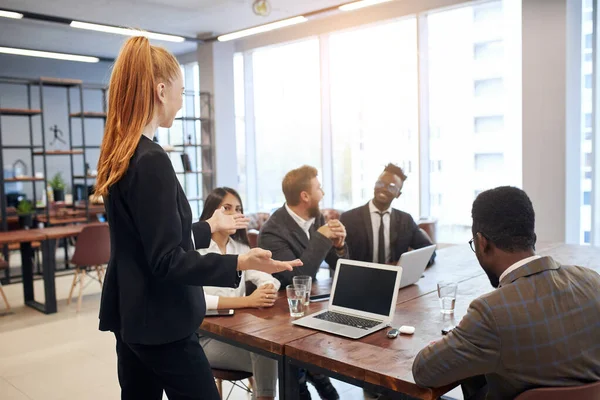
212	293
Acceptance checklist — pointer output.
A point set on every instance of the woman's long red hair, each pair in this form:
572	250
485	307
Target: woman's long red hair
131	105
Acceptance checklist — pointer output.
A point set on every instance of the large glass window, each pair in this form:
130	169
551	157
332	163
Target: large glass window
468	113
371	108
374	111
287	114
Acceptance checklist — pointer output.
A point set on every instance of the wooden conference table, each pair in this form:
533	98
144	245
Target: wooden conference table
48	237
374	362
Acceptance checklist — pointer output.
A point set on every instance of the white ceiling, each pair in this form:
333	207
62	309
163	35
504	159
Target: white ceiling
182	17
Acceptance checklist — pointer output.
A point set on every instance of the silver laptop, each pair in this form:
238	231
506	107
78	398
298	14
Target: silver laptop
363	300
413	264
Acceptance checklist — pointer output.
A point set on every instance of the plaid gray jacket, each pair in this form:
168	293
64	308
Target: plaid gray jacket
540	328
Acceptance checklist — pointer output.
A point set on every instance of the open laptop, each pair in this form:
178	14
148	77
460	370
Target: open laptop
363	300
413	264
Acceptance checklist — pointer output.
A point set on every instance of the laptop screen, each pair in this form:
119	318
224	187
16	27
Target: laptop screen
364	289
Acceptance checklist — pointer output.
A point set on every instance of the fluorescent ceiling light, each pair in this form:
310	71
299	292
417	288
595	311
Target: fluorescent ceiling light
262	28
126	31
10	14
47	54
360	4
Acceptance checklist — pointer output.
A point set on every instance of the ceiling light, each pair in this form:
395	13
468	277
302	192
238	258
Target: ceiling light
360	4
262	28
126	31
10	14
47	54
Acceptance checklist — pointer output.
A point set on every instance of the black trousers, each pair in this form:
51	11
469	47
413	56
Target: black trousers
179	368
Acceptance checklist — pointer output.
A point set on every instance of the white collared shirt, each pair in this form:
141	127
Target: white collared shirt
302	223
518	264
375	222
212	293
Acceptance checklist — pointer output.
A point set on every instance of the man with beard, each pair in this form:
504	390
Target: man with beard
298	231
539	328
376	231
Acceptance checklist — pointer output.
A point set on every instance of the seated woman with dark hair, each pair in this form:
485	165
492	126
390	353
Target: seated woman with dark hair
221	355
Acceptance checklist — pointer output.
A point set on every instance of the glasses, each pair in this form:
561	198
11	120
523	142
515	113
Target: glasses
472	241
390	187
471	244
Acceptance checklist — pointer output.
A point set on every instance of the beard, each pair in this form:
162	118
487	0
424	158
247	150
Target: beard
314	211
494	280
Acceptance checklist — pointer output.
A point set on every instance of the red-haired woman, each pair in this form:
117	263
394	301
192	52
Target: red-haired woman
152	297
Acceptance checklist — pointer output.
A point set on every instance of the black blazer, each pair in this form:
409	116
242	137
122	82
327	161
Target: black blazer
152	293
287	241
404	233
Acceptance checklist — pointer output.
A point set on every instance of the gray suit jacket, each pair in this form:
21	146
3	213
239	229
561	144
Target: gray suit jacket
540	328
287	241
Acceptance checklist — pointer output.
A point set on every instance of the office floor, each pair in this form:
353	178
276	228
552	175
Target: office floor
65	356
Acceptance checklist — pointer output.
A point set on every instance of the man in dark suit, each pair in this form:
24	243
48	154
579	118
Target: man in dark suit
539	328
376	232
298	231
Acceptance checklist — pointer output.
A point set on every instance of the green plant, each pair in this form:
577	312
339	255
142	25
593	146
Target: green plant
24	207
57	182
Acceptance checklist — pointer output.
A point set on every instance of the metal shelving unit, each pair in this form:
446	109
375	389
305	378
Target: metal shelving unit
41	152
201	146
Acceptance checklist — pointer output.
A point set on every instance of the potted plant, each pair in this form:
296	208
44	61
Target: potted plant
58	186
25	213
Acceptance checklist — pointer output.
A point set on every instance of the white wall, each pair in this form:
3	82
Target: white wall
215	61
544	113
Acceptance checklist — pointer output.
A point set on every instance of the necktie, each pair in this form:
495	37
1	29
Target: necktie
381	243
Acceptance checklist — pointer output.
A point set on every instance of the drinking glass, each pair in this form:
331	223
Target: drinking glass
447	295
295	297
306	281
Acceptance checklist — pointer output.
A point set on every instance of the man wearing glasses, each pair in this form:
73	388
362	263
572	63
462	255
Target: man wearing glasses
378	233
539	328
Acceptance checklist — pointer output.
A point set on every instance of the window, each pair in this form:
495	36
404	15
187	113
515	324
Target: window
435	165
588	175
287	115
486	88
588	121
488	162
365	84
587	237
187	132
489	51
588	41
469	165
489	124
588	81
587	198
374	115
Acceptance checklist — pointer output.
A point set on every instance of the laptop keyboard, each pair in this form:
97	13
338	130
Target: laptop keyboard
348	320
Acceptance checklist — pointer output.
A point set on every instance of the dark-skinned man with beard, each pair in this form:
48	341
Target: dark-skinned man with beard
539	328
378	233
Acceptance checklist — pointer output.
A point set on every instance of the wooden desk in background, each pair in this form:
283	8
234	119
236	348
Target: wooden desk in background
48	237
25	238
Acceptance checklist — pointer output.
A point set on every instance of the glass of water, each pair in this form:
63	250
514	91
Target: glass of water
306	281
447	294
295	297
